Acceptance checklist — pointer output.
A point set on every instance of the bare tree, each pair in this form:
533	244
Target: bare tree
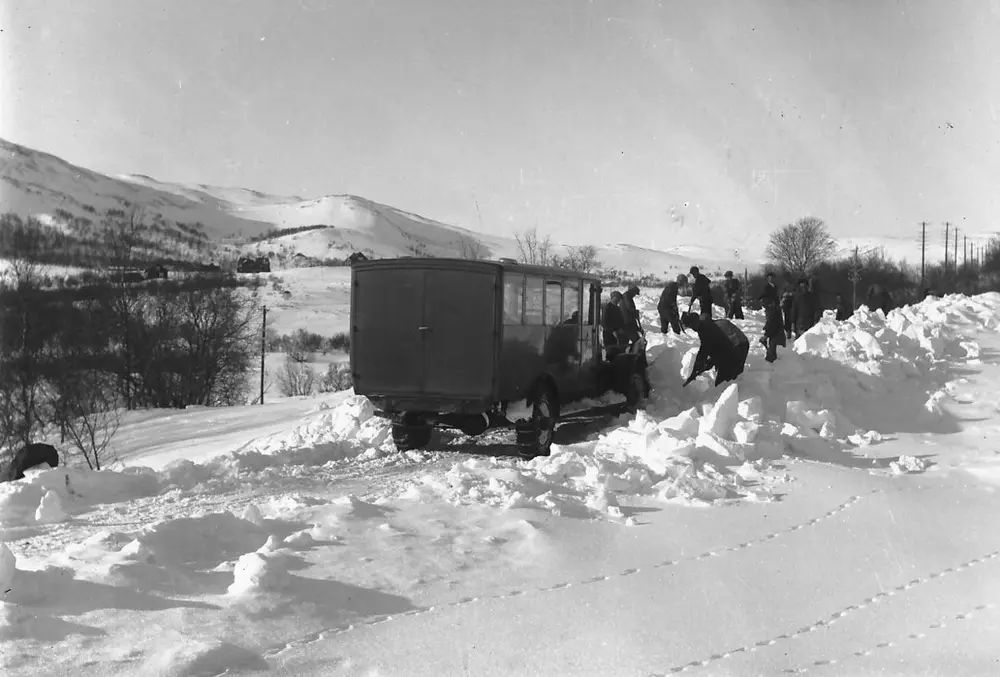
472	249
581	259
296	379
123	236
533	249
801	246
95	418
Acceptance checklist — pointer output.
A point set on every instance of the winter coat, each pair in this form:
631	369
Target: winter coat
774	324
770	292
844	311
805	311
723	346
731	288
702	289
633	325
668	299
613	323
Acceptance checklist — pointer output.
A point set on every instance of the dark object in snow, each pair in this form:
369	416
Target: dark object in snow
30	456
355	257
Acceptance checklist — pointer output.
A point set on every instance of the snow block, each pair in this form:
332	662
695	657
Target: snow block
685	424
751	408
745	432
8	566
720	419
717	444
255	572
50	509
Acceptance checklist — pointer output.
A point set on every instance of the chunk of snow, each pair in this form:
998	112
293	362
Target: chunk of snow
723	415
8	567
907	464
751	408
255	573
50	509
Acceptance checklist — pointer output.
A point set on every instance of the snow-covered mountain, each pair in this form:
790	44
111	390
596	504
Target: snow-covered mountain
34	183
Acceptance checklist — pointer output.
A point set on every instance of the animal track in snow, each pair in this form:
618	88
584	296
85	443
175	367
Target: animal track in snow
822	663
376	620
834	617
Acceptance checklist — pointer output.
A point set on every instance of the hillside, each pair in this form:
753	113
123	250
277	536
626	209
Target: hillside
58	193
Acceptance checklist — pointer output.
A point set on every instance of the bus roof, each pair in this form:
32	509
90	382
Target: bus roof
468	264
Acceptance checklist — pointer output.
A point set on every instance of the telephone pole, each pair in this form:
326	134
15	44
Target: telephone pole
263	351
955	250
923	252
946	238
965	251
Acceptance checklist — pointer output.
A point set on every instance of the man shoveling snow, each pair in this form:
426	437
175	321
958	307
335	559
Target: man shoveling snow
723	346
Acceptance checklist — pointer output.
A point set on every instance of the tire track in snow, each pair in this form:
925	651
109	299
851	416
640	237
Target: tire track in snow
822	663
334	631
830	619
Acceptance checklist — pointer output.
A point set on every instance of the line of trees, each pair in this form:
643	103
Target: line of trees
805	248
72	358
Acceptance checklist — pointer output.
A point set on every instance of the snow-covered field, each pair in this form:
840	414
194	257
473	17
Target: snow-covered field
833	513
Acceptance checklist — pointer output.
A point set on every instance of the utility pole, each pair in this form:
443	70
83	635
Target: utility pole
263	352
955	250
946	238
965	252
854	275
923	252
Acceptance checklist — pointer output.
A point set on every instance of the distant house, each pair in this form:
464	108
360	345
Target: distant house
247	264
156	272
355	257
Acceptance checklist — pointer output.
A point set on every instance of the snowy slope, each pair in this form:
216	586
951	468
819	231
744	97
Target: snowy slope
38	184
833	513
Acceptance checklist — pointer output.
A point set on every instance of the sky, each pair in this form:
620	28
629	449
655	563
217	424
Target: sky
653	123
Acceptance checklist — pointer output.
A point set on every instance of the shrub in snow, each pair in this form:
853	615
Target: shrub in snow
295	378
338	377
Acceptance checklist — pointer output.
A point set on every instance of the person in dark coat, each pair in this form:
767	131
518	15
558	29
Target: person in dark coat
670	316
734	297
813	285
701	291
770	291
613	325
774	328
844	311
633	324
804	309
787	301
879	299
723	346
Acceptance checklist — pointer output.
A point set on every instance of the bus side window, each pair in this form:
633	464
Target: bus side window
513	298
592	298
571	303
533	306
553	303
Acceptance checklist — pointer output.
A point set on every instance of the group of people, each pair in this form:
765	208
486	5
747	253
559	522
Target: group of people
788	313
